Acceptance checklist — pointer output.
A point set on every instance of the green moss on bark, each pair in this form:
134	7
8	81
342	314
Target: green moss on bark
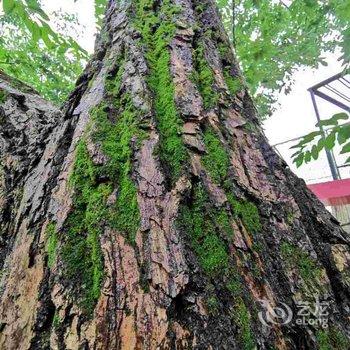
198	219
307	267
212	304
240	314
3	96
52	242
114	125
204	223
104	194
332	339
115	140
56	321
216	161
204	77
157	29
234	84
242	318
248	212
81	251
223	220
235	285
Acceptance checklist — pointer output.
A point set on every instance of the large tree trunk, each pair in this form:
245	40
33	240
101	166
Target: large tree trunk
152	213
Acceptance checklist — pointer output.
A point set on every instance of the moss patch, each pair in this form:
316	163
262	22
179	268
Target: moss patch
3	96
223	220
198	219
115	140
240	314
234	84
212	304
203	223
323	340
307	267
115	124
81	251
242	319
235	285
332	339
56	320
216	161
246	211
204	77
52	242
157	29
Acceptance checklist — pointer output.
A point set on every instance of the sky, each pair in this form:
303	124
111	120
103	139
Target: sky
86	16
294	118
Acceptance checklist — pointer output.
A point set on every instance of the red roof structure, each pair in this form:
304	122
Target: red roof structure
332	193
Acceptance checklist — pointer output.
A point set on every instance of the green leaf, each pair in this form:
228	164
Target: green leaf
299	160
100	6
315	152
329	141
343	134
340	116
296	153
8	6
321	143
345	148
333	120
307	139
307	156
34	6
51	68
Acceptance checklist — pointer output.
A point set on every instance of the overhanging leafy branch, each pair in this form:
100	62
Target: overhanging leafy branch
330	133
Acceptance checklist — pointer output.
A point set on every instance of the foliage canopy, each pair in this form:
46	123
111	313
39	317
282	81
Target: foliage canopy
272	39
34	48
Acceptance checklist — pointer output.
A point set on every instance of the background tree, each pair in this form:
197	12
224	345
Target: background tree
151	212
38	50
275	38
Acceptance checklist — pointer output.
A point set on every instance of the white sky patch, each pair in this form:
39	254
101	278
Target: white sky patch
295	117
85	12
255	35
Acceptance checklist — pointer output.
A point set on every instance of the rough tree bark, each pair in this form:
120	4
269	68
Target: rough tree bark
151	213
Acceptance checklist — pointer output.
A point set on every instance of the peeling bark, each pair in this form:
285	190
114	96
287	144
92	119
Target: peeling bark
151	213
